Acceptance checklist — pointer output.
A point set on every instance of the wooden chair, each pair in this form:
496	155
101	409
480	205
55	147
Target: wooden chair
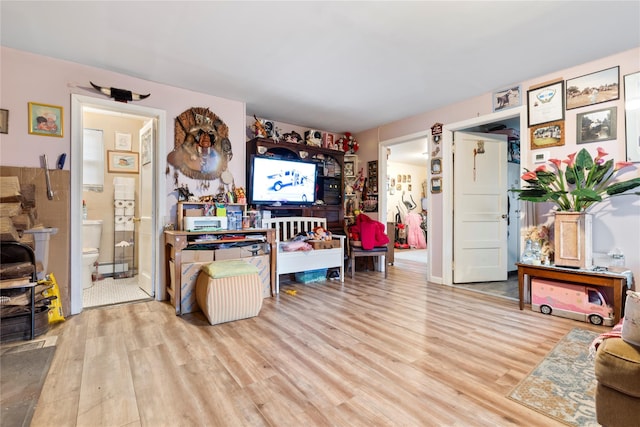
355	252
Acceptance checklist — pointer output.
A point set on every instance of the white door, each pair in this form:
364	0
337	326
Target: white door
480	207
146	244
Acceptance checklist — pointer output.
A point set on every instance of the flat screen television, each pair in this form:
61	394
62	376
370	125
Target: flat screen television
282	181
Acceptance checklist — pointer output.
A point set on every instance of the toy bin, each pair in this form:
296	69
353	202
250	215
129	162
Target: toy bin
312	276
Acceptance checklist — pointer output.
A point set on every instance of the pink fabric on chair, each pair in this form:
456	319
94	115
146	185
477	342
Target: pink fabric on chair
371	232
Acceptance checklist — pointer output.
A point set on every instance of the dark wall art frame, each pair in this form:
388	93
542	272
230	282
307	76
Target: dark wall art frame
597	125
594	88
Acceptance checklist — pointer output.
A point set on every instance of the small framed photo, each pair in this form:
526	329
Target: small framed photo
507	98
45	120
546	103
436	166
547	135
122	162
123	141
594	88
599	125
436	185
4	121
349	169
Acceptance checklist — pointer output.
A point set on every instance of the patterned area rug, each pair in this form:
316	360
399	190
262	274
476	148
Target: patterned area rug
563	385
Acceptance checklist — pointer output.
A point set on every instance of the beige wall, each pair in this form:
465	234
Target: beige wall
100	204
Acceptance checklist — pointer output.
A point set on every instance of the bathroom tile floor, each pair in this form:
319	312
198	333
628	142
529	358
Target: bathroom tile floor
113	291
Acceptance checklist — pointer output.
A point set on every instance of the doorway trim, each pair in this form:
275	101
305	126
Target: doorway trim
78	102
447	183
382	195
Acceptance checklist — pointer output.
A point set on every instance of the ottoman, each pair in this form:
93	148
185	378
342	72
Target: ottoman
617	369
229	290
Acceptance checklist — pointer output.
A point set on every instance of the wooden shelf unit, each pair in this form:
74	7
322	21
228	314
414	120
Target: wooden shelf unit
331	176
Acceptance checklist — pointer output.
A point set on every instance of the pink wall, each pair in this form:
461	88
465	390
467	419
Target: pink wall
26	77
616	224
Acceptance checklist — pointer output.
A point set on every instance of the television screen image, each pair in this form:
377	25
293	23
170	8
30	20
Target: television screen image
282	181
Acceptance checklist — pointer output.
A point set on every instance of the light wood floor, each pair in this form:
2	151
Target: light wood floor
368	352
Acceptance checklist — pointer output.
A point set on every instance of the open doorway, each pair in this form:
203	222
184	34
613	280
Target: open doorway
406	199
145	175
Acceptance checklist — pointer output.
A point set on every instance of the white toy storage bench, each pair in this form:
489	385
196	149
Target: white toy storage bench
299	261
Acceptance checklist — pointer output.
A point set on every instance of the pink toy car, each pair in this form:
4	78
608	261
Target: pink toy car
572	301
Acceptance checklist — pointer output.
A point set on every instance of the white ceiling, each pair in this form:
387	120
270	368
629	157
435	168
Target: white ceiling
336	66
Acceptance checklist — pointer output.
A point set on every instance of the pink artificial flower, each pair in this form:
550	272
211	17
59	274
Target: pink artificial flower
571	161
541	168
601	154
556	162
529	176
620	165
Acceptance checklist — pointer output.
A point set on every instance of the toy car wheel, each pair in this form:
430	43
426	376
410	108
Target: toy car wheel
545	309
277	186
595	319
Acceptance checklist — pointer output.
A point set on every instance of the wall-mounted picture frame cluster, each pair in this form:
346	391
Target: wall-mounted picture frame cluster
547	104
45	120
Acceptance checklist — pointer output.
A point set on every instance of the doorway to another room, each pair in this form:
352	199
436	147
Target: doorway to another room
406	199
115	181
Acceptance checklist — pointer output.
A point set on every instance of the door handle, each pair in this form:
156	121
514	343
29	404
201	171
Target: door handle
505	216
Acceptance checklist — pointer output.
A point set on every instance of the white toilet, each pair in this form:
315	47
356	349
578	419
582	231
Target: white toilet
91	234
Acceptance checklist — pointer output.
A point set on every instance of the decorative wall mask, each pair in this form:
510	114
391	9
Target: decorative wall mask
202	146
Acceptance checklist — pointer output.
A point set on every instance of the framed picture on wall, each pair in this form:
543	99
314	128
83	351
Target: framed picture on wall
436	185
594	126
349	169
45	119
4	121
122	162
507	98
547	135
632	115
594	88
436	166
546	103
123	141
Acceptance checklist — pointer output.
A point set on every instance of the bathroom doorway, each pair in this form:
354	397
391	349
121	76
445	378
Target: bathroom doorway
128	269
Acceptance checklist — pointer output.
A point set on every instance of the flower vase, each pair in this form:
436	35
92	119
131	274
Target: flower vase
573	239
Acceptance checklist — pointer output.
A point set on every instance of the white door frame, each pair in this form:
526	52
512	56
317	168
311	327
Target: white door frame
447	178
78	102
